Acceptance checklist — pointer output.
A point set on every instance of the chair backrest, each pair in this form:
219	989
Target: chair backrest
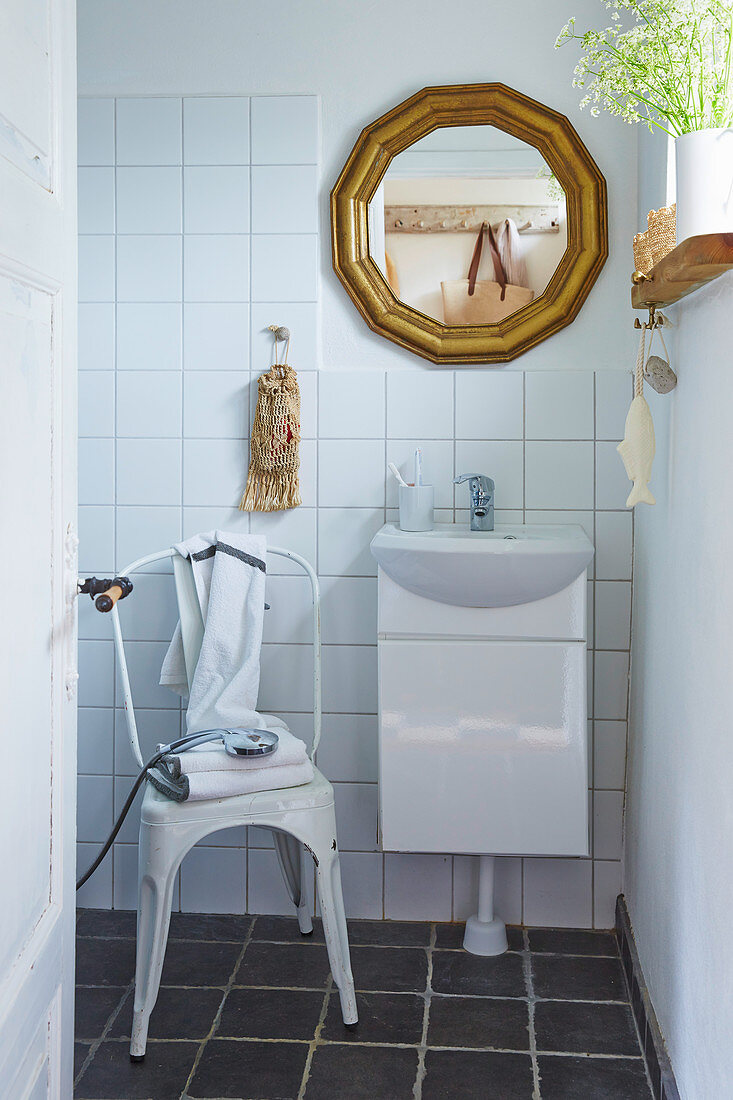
192	633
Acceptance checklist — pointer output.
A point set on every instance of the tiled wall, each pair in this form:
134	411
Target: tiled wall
199	228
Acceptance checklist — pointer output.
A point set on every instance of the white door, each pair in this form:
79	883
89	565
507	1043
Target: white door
37	545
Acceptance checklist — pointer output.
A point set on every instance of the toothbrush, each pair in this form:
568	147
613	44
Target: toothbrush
393	469
418	466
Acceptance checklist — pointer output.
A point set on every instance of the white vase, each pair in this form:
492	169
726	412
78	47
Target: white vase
704	165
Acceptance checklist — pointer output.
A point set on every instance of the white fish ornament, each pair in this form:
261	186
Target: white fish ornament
637	450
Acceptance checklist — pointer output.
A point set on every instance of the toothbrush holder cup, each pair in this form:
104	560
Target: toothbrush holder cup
416	507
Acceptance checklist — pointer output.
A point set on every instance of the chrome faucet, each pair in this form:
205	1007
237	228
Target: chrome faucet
482	500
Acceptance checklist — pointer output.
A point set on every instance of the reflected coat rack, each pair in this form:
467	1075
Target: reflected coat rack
427	218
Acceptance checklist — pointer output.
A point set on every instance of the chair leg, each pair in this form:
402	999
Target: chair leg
294	865
328	879
158	861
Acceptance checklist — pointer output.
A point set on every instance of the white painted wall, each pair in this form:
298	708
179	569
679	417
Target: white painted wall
679	818
362	60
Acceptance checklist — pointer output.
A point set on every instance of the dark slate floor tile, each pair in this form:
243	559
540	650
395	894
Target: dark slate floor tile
285	930
477	1075
240	1069
574	978
93	1008
229	927
178	1014
112	1076
574	1027
270	1014
389	933
451	936
459	972
572	941
599	1078
383	1018
475	1022
362	1073
114	923
204	963
390	969
105	962
80	1052
284	964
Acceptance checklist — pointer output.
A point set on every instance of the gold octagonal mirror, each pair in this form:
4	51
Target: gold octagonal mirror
469	223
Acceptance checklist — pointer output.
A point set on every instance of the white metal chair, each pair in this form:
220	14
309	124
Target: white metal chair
302	820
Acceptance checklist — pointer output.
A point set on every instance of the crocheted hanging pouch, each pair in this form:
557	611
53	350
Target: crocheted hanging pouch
272	482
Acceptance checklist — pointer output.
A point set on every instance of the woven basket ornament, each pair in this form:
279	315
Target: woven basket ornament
272	481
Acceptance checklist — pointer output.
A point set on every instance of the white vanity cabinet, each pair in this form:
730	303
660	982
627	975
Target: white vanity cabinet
482	724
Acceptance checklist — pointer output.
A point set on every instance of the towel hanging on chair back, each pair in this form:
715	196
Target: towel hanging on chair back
272	482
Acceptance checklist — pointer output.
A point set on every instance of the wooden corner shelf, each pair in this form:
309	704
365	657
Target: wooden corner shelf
687	267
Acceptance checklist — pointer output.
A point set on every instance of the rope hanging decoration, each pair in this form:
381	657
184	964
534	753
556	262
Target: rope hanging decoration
272	481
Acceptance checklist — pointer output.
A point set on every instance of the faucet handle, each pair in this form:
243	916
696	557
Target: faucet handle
479	482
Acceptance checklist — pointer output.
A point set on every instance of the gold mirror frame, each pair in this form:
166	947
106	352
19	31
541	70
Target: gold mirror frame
567	157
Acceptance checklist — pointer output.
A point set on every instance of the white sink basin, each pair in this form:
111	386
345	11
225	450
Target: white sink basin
516	563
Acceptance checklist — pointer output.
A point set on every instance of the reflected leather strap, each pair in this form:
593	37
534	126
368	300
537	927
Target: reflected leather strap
476	260
499	271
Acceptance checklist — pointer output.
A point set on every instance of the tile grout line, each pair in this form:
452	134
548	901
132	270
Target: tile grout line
527	966
316	1040
217	1017
428	995
105	1030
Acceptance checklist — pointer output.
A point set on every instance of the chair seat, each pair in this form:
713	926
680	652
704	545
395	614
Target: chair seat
159	810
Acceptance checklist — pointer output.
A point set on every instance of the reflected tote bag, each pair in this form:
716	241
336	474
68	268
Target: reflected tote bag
474	301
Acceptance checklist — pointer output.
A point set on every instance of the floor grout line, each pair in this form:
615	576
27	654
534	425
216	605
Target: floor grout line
428	995
316	1041
105	1030
527	965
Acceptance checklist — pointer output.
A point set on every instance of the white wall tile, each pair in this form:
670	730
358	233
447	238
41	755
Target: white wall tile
213	881
308	386
216	130
148	471
292	530
609	755
417	884
96	336
286	679
284	129
216	336
148	131
614	391
611	685
608	811
502	461
344	535
612	484
216	404
559	405
96	403
148	200
198	518
153	614
266	891
606	888
96	471
145	530
356	816
361	883
290	615
507	888
613	545
154	727
284	268
559	475
96	673
420	405
96	191
350	679
214	471
302	320
96	538
613	614
351	404
96	131
149	404
349	610
285	199
95	744
97	892
348	749
437	468
489	404
144	660
351	473
558	892
96	268
148	336
149	269
125	876
216	268
216	199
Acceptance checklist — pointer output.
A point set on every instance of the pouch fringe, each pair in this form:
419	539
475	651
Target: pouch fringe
271	492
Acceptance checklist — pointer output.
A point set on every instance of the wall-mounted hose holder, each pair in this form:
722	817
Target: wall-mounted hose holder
105	591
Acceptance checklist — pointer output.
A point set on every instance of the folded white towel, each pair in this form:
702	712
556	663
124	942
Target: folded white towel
226	784
214	758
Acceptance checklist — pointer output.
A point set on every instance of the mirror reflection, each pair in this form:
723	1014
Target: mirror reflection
468	225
